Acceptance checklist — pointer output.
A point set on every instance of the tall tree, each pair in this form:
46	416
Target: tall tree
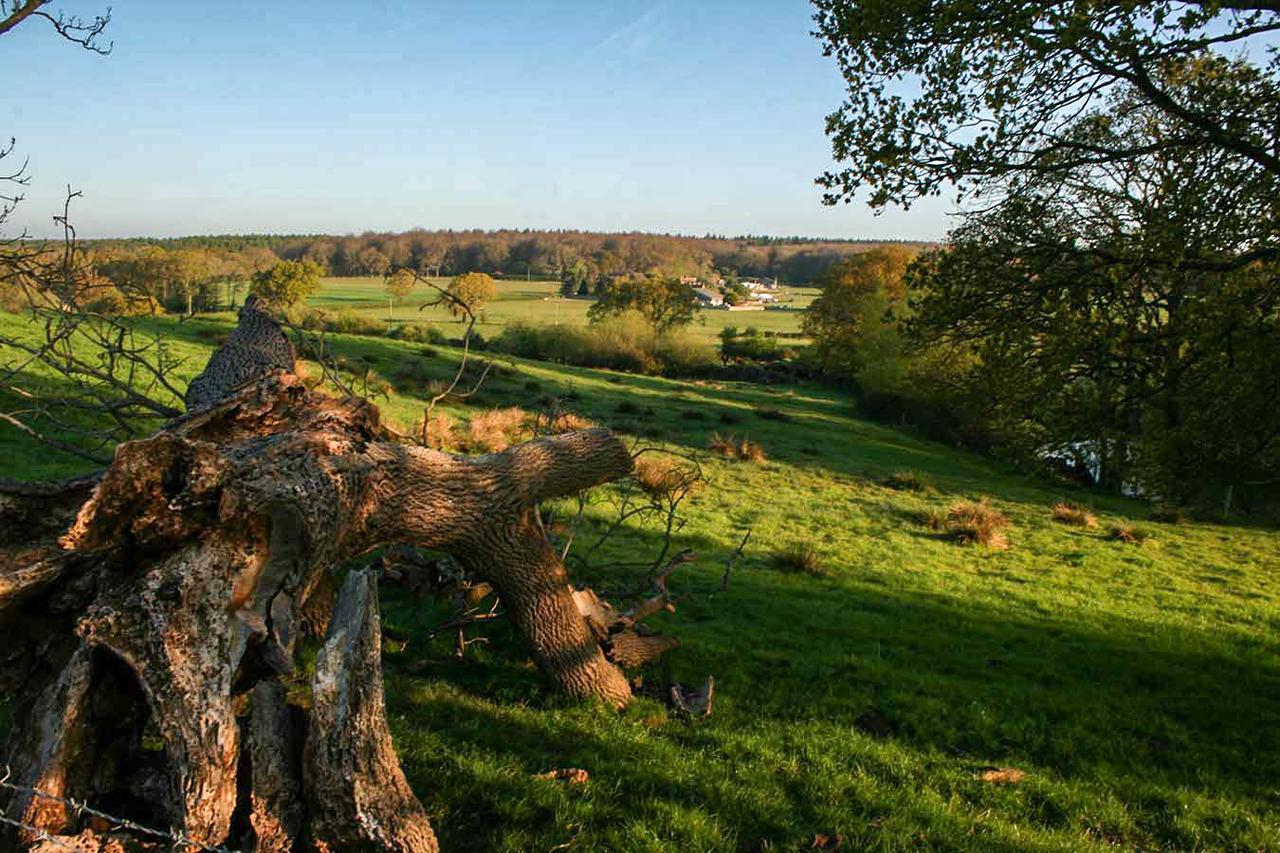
849	322
1115	311
472	290
398	285
287	283
958	91
663	302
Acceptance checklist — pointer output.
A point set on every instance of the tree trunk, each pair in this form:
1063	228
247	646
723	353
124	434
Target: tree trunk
160	603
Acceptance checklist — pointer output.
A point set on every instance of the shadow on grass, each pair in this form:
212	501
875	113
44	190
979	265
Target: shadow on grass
1124	708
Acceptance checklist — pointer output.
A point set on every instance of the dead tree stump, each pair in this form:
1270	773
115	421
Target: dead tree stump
149	614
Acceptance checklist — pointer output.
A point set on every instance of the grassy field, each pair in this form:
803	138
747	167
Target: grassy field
535	302
1136	686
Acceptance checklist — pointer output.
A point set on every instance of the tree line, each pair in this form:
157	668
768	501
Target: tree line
1110	300
539	254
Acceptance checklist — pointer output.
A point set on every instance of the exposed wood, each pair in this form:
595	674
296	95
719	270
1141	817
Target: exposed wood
173	587
359	798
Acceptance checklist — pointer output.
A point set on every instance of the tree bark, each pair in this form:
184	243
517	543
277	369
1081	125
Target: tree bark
164	597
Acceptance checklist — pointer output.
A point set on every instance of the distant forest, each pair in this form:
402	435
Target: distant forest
537	254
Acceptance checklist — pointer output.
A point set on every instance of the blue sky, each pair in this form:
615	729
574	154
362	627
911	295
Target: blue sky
342	117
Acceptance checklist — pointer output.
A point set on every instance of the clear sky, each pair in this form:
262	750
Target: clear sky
340	117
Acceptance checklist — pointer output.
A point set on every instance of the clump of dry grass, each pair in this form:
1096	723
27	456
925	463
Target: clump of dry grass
440	433
908	481
798	559
977	521
1168	515
1129	534
497	429
742	449
665	477
569	422
1069	513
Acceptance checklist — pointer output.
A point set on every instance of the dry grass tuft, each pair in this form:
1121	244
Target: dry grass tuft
657	475
798	559
977	521
498	429
909	481
1069	513
732	447
569	422
441	433
1129	534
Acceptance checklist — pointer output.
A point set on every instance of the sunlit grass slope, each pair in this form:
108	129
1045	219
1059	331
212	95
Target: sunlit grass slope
1138	687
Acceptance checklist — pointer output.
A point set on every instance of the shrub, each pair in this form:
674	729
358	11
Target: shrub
742	449
1129	534
626	407
343	321
497	429
729	417
1068	513
623	343
418	334
977	521
798	559
908	481
693	414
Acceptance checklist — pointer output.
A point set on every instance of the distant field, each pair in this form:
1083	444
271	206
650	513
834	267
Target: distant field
536	302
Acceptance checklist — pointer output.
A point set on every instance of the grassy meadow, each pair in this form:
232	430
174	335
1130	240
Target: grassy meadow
872	697
535	302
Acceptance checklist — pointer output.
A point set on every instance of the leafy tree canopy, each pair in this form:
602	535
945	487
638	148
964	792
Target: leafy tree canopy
399	284
850	315
472	289
286	283
957	91
663	302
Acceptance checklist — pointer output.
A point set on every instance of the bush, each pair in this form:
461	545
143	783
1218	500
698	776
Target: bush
977	521
798	559
418	334
1068	513
623	343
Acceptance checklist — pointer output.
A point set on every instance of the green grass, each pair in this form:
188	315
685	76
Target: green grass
534	302
1137	686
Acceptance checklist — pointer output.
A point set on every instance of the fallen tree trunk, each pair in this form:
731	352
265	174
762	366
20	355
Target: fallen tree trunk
150	633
